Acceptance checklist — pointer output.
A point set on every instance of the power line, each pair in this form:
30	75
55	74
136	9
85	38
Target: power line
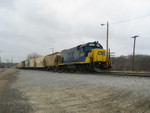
127	20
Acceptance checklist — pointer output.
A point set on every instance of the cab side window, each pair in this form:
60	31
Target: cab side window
82	50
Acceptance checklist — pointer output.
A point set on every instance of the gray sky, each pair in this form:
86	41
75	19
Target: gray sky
28	26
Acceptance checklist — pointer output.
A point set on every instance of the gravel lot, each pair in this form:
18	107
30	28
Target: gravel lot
49	92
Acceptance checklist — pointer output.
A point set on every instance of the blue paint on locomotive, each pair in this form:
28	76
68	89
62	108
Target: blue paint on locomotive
79	53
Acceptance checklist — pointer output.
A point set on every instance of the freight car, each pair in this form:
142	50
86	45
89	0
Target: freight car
32	63
52	61
39	62
26	64
21	65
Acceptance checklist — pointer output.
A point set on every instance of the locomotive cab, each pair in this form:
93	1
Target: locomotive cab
97	56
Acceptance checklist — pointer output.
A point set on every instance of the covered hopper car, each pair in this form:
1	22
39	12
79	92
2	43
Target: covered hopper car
32	63
39	62
52	61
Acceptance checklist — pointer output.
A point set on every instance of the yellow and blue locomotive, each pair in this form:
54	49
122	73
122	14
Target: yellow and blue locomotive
86	57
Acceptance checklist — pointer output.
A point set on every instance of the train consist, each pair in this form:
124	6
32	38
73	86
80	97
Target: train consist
85	57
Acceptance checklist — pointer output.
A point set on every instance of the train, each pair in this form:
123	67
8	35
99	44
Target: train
85	57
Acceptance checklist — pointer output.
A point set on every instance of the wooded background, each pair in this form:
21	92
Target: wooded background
124	63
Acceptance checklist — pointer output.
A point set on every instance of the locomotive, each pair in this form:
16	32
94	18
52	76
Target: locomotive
85	57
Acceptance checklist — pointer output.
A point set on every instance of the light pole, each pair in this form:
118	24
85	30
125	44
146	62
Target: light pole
107	34
134	51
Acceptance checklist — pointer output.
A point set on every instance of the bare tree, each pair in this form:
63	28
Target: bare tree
33	55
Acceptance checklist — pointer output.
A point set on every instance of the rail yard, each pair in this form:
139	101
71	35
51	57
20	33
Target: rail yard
32	91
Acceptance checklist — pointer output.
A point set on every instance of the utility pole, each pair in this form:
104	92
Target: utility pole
7	63
0	63
52	50
107	40
0	60
107	35
11	62
134	51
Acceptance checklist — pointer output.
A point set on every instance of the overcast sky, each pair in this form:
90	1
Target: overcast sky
28	26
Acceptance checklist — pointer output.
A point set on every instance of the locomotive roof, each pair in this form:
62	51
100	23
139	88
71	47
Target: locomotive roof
82	45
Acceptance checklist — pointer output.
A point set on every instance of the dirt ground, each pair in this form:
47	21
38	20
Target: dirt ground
5	79
11	99
26	91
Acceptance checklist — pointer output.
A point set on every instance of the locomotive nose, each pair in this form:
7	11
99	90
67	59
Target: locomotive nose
99	55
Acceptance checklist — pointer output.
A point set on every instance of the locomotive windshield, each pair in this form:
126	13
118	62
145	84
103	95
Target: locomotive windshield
95	45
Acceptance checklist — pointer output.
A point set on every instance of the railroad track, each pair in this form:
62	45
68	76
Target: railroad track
126	74
108	73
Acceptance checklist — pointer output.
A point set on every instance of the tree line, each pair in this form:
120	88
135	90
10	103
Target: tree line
124	63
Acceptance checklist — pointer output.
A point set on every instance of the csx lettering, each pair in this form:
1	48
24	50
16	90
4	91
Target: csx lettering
101	53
